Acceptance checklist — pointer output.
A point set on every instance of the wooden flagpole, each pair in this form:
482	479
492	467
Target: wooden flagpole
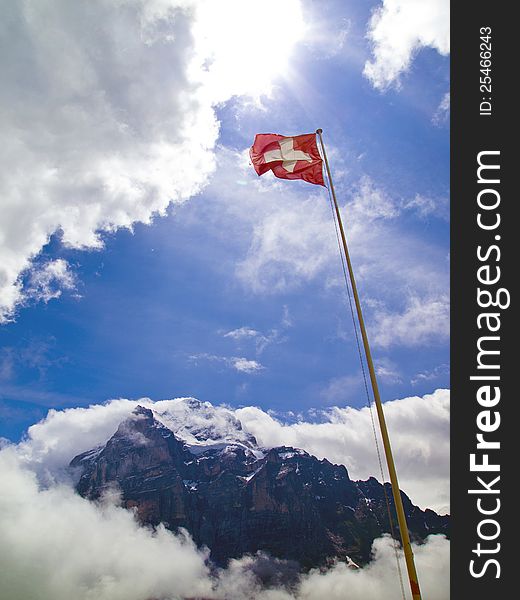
401	517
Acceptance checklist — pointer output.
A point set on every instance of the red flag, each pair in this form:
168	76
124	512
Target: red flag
294	157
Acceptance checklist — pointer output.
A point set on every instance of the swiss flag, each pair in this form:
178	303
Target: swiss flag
294	157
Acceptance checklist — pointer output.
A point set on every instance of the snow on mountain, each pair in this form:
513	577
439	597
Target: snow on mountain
203	426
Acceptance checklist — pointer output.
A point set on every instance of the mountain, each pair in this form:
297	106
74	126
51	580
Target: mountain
195	467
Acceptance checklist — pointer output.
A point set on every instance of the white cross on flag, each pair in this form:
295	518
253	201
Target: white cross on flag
294	157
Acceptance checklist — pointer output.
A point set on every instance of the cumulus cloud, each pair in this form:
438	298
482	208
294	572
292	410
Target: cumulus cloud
107	113
398	29
87	147
57	545
379	579
419	427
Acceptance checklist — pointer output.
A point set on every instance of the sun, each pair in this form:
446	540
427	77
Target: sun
243	46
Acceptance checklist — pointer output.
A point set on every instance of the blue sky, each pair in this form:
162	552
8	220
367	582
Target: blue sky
234	294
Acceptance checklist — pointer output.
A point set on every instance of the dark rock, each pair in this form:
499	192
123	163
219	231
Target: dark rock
287	503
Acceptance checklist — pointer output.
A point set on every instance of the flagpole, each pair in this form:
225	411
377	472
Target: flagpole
401	517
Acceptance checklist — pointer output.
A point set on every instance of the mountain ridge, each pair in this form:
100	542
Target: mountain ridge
237	498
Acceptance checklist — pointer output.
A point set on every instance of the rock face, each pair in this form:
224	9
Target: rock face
237	499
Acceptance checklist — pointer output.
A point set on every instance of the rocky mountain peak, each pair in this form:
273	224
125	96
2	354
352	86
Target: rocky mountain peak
193	466
142	410
202	426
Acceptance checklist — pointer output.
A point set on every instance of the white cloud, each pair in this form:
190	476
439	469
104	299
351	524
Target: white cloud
424	321
398	30
56	545
52	442
291	244
104	126
239	363
371	203
425	206
430	375
379	580
387	371
246	366
262	340
442	114
293	239
327	36
47	281
86	146
241	333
